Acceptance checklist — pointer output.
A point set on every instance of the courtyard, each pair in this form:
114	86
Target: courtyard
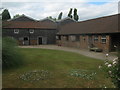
47	68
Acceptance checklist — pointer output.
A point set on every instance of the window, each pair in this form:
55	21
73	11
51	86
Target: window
31	31
95	38
103	39
73	38
58	37
26	38
77	38
16	31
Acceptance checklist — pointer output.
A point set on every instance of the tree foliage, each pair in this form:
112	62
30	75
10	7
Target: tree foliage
17	15
11	57
50	17
6	15
60	16
76	17
70	13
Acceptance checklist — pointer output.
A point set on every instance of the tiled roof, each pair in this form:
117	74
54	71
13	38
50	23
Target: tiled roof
22	18
108	24
29	24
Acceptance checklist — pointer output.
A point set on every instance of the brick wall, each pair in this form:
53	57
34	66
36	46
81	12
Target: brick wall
85	42
48	33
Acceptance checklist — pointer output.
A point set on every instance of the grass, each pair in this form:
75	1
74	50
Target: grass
59	64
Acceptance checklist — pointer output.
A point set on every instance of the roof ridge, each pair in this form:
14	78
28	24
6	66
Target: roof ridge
21	16
99	18
47	18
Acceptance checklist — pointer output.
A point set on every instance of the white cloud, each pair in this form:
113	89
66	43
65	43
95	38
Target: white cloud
60	0
41	10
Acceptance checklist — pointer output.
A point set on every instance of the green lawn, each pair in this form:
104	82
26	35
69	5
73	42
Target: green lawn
61	66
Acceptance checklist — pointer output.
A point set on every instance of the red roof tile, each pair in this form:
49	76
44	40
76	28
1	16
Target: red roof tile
29	24
107	24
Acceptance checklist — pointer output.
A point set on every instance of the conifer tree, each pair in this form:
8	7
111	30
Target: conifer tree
60	16
6	15
70	13
76	17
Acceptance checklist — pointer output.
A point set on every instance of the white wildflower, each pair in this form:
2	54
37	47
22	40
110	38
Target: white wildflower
115	46
110	72
118	78
115	59
107	55
106	63
116	68
100	67
114	62
109	65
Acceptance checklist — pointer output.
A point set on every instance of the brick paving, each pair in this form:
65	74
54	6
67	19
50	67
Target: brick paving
97	55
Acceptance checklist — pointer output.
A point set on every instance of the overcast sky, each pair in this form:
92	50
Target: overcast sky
39	9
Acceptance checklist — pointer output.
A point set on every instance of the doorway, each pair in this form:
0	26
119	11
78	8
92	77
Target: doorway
40	40
115	41
26	41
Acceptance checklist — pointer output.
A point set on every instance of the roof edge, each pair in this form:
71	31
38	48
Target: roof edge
21	16
46	19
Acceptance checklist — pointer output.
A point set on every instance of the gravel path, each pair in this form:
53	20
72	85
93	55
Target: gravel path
97	55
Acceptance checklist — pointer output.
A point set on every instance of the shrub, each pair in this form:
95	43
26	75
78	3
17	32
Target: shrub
11	57
113	70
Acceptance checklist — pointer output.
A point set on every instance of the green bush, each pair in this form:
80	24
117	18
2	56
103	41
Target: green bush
113	69
11	57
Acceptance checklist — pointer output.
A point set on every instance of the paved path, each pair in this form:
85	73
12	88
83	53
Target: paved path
97	55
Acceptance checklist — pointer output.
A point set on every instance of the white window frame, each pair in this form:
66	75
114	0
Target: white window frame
16	32
31	31
73	38
104	38
57	38
96	38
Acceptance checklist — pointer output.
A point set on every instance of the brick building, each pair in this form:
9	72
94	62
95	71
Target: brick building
28	31
103	33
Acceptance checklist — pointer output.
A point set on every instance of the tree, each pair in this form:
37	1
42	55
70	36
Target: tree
50	17
60	16
17	15
6	15
11	57
76	17
70	13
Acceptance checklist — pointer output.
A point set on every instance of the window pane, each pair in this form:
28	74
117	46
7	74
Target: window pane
72	38
16	31
103	39
25	38
31	30
95	38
